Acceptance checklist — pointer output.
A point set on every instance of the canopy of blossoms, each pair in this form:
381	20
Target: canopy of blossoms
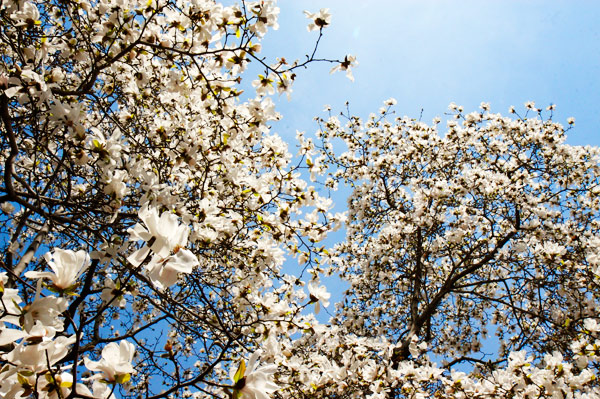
147	210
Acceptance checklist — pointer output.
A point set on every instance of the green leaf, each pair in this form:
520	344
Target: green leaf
22	379
52	288
239	374
123	378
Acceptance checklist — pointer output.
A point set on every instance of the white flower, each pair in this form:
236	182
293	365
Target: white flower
161	234
7	207
571	120
318	294
254	382
346	65
415	348
263	85
591	325
266	15
9	301
390	102
115	184
167	239
38	357
115	364
110	291
66	265
318	20
100	390
164	271
284	85
10	335
530	105
45	310
29	15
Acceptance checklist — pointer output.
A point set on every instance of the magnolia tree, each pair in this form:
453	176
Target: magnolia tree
147	210
476	247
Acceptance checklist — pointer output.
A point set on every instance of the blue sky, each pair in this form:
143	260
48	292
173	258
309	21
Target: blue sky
427	54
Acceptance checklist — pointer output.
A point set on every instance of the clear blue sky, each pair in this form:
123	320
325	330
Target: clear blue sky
427	54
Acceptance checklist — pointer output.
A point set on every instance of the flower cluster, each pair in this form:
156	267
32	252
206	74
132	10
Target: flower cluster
166	239
39	344
170	207
492	225
168	204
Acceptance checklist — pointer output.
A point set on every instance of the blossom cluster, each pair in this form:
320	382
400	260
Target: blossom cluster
492	225
38	338
170	207
167	201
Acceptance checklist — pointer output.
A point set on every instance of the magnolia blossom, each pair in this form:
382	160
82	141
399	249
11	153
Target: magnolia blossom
164	271
26	363
115	362
263	85
10	335
45	310
9	300
29	15
7	207
254	382
111	291
318	294
161	234
37	333
99	390
115	184
166	238
38	357
346	65
319	20
66	265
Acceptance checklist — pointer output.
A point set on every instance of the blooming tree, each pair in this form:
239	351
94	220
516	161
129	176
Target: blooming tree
476	248
162	201
147	209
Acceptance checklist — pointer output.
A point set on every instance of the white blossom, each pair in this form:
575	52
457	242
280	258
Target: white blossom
319	20
254	382
115	364
66	266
